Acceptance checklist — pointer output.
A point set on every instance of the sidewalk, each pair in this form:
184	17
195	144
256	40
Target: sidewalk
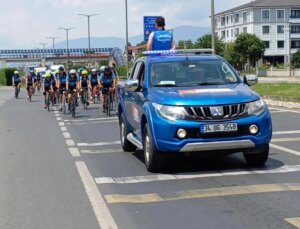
278	80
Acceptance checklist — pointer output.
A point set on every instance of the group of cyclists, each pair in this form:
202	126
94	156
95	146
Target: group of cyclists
63	85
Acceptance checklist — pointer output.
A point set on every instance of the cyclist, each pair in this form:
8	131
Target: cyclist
72	85
47	87
107	84
16	82
84	83
29	83
54	87
93	78
37	80
61	85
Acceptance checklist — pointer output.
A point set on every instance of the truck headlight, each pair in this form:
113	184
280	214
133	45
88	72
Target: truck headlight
256	107
169	112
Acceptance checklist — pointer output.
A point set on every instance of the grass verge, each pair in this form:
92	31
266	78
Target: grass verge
279	91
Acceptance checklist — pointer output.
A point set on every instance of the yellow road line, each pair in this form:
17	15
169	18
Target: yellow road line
285	140
202	193
294	221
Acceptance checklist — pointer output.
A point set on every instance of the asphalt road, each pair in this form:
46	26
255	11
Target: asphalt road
59	172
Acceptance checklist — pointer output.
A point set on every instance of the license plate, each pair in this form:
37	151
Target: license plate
222	127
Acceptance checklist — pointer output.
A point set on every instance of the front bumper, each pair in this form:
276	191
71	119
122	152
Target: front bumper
166	139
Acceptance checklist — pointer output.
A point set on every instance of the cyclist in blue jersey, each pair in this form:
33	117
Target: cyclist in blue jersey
93	79
61	85
16	82
72	86
161	39
47	88
84	83
29	83
107	84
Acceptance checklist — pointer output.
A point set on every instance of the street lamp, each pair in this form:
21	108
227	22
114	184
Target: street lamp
126	20
67	33
53	40
89	37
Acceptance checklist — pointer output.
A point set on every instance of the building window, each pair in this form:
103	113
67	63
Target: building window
267	44
236	32
295	29
223	34
227	19
231	32
280	29
280	14
295	44
222	21
244	17
231	19
280	44
265	14
266	29
236	18
295	13
227	33
245	29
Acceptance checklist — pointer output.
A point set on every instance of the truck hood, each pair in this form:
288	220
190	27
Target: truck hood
203	95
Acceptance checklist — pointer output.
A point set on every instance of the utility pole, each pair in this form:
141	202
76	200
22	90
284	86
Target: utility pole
290	55
126	20
68	53
213	26
89	36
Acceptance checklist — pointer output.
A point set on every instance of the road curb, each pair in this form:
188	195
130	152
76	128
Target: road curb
275	101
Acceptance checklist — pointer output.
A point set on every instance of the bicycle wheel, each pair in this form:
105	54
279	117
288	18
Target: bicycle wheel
30	94
48	102
73	106
108	105
85	100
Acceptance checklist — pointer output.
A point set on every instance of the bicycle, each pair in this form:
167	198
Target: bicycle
30	92
85	98
17	91
63	107
73	104
48	99
109	102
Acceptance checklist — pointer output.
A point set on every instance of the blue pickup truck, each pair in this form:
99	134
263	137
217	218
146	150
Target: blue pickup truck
191	102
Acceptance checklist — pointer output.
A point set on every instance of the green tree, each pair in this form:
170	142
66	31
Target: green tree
250	48
205	42
296	60
233	57
185	44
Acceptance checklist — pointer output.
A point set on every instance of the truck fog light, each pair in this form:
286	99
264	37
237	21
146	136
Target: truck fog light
181	133
253	129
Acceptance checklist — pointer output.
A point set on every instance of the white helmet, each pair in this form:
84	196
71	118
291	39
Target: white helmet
94	70
16	72
72	71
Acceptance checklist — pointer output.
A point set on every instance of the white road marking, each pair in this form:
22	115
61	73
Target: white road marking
74	152
58	118
86	123
285	149
66	134
63	128
100	143
275	112
164	177
286	110
61	123
90	119
70	142
285	140
287	132
56	112
57	115
101	151
103	215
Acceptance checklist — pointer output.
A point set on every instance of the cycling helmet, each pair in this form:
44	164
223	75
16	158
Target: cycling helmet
61	69
84	72
106	69
56	71
16	72
94	70
72	71
48	75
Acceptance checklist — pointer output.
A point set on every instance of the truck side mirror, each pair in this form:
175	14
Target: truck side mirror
131	85
250	79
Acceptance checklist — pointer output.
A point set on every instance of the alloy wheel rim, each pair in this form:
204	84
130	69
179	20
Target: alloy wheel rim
147	147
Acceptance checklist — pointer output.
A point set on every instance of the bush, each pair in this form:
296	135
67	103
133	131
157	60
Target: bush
280	66
6	76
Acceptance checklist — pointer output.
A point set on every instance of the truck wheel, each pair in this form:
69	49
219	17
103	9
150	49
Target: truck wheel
126	145
154	159
257	159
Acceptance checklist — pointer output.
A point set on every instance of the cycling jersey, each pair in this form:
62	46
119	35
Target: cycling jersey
47	83
93	79
84	81
17	79
38	76
30	81
162	40
53	80
107	80
72	82
62	79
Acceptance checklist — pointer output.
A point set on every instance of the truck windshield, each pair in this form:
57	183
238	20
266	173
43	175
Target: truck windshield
191	73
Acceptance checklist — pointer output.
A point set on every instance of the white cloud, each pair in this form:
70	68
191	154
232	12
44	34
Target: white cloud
26	23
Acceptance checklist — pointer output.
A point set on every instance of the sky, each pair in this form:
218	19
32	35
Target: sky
27	23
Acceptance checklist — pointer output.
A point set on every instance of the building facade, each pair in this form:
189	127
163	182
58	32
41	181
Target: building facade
276	22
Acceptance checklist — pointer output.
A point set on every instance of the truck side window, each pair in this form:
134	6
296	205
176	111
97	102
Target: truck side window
136	71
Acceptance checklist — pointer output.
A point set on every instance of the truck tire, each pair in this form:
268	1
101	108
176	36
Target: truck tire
154	160
257	159
127	146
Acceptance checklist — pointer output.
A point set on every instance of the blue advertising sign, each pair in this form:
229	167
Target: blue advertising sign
149	26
